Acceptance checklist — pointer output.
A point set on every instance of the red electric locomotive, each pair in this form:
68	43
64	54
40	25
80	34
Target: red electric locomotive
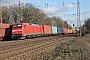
26	30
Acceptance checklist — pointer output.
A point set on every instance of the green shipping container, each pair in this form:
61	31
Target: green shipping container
54	29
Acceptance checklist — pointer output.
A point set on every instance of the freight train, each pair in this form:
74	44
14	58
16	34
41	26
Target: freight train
24	30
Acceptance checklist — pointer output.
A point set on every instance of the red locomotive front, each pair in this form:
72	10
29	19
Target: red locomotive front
17	30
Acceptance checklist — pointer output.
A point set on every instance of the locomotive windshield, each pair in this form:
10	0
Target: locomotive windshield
17	26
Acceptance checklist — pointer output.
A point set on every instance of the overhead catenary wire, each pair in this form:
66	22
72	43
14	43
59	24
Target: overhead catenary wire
46	3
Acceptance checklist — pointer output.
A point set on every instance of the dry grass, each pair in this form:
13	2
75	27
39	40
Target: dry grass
76	49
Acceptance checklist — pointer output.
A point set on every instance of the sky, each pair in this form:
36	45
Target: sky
59	8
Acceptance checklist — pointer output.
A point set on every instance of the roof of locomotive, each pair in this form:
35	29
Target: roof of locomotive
26	24
20	23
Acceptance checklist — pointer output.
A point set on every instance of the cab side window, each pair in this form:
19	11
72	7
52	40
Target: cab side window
24	26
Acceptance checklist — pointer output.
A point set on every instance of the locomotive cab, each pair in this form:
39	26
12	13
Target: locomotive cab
17	30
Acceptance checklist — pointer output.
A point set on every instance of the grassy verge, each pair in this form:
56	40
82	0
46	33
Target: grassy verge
75	49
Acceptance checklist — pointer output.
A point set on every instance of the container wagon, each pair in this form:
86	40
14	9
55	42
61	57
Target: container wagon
69	31
74	32
64	31
5	31
47	31
59	30
54	30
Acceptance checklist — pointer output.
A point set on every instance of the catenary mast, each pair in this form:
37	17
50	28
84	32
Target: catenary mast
0	12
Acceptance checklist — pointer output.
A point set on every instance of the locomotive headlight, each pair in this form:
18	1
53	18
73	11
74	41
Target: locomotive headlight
16	30
13	30
19	30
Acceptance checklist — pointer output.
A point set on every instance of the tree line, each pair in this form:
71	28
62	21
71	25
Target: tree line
26	12
86	26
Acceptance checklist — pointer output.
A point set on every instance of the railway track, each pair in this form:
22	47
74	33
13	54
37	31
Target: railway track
31	49
15	44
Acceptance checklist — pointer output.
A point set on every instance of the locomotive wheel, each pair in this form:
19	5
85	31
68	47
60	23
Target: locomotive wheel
22	38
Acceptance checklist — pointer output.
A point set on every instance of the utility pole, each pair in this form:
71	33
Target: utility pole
84	24
78	16
19	4
46	5
52	20
19	11
63	21
0	12
78	13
